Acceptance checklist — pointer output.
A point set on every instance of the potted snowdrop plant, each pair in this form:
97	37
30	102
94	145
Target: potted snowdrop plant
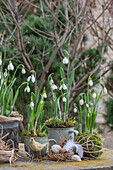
7	101
87	112
35	113
61	126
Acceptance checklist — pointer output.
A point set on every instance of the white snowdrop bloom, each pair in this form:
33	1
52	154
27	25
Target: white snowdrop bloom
64	87
10	66
41	101
75	110
81	102
5	74
90	82
60	87
27	89
29	78
44	95
64	99
94	95
4	83
105	90
0	76
0	62
65	60
54	87
0	87
23	71
51	82
31	105
33	78
87	105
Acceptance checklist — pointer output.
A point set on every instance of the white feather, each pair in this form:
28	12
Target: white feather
69	146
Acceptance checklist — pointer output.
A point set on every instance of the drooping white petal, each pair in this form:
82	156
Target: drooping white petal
64	99
23	71
41	101
64	87
44	95
0	62
29	78
75	110
5	74
87	105
65	60
31	105
105	90
27	89
60	87
10	66
94	95
90	83
54	87
33	78
51	82
81	102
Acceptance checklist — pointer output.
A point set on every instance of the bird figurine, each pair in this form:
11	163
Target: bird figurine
70	146
37	147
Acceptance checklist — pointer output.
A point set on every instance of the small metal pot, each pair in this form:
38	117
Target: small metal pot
60	134
12	129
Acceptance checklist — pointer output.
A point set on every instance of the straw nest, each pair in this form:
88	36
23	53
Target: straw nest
63	155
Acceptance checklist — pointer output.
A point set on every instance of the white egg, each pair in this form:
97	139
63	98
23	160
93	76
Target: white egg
76	158
56	148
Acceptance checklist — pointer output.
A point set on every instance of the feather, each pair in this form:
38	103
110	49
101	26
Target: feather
69	146
79	150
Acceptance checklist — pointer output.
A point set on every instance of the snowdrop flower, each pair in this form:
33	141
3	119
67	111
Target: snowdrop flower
94	95
61	87
44	95
41	101
105	90
90	83
75	110
0	62
29	78
10	66
5	73
81	102
87	105
23	71
54	87
33	78
0	76
64	99
64	87
0	87
27	89
65	60
51	82
31	105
